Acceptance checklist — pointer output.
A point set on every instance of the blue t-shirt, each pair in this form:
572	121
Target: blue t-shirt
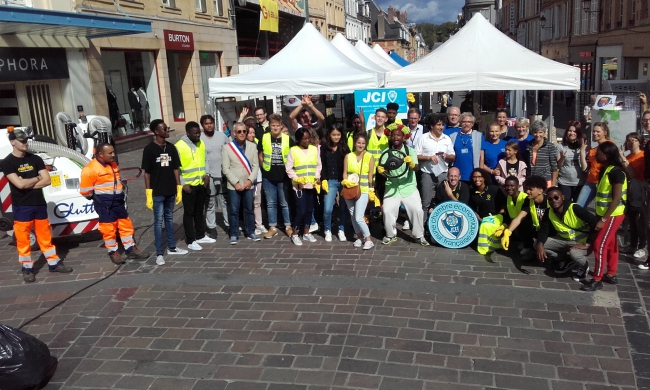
464	155
450	130
523	147
493	153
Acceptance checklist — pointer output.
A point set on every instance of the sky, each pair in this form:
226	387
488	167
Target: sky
431	11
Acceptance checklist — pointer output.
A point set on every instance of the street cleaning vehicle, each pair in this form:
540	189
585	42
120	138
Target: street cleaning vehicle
69	213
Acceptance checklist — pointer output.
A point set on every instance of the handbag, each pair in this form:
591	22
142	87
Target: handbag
353	193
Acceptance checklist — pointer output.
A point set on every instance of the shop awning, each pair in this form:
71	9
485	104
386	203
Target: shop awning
42	22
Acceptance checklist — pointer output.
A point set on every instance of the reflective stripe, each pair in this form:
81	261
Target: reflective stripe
24	258
127	238
109	242
567	228
305	164
200	168
189	179
51	252
301	167
604	195
111	192
85	189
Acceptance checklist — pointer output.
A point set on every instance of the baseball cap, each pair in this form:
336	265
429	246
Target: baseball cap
20	133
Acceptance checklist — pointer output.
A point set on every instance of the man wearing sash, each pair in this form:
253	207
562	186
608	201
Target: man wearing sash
575	229
240	164
194	179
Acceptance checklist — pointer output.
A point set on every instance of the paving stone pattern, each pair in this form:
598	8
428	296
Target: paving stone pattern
269	315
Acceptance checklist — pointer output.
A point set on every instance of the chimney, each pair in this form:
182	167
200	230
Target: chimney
391	14
380	24
404	17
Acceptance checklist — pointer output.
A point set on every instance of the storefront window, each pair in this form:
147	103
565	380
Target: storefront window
178	64
209	69
9	107
131	88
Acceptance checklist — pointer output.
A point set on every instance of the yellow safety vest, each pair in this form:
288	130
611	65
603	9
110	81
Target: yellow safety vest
267	150
515	208
305	165
192	163
570	228
376	146
361	168
487	242
533	211
604	196
351	140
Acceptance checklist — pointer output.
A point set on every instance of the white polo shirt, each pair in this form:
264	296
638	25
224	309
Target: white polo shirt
427	145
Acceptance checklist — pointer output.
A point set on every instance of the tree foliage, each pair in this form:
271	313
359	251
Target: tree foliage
433	33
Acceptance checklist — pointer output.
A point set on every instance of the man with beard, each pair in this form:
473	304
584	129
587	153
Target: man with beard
214	141
402	190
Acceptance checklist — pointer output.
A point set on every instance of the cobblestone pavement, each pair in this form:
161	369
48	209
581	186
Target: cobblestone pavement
268	315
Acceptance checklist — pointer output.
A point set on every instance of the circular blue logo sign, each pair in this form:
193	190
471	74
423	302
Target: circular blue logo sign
453	224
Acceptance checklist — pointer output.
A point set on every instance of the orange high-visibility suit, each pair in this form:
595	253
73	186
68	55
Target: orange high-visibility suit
101	183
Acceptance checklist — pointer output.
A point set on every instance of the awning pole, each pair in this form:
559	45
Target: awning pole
551	127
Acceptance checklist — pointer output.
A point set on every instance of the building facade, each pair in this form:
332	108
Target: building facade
357	21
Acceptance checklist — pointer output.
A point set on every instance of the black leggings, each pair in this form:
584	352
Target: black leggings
636	222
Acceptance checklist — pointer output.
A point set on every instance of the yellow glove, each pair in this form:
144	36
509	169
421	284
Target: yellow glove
149	193
408	159
348	184
505	240
324	185
179	194
499	232
373	198
380	169
301	180
317	187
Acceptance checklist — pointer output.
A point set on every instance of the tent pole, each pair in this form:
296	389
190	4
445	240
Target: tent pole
551	127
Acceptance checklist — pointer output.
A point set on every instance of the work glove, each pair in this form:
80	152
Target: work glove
499	232
380	170
149	193
179	194
373	198
348	184
301	180
324	185
505	240
408	160
317	187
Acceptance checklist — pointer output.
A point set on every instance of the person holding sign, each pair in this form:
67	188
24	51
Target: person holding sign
240	166
401	186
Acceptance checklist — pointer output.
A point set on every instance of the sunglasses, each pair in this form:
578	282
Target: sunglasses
241	131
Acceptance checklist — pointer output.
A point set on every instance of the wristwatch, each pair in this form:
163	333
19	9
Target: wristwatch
603	219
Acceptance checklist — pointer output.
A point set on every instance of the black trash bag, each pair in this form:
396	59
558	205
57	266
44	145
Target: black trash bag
25	361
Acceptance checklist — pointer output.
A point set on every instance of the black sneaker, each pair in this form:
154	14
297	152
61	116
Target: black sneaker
212	233
610	279
581	275
592	285
565	266
60	267
28	275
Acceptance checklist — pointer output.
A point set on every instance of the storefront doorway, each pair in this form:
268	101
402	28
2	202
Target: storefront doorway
210	68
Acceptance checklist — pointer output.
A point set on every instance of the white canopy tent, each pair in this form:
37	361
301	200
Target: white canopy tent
324	70
382	53
480	57
375	57
341	43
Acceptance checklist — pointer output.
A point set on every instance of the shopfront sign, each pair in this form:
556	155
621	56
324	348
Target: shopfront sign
178	40
21	64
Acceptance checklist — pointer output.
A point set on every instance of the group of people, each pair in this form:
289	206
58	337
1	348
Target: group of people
524	190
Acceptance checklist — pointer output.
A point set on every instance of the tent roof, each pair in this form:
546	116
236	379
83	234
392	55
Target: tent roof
375	57
341	43
480	57
399	59
382	53
290	71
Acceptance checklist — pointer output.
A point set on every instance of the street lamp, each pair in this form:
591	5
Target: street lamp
542	22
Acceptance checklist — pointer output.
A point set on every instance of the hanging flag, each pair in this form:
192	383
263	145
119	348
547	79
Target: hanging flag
269	18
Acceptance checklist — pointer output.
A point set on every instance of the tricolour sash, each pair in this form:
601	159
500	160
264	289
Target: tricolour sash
241	156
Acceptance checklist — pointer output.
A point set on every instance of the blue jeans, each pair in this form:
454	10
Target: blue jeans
275	194
587	194
236	200
334	187
357	209
163	207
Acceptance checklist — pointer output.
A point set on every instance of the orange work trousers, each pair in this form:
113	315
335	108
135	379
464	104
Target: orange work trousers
43	233
109	230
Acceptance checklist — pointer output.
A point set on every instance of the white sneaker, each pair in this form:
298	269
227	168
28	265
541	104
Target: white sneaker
309	237
296	240
313	228
261	229
639	254
206	240
328	236
406	226
177	251
160	260
342	236
367	245
358	243
194	246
